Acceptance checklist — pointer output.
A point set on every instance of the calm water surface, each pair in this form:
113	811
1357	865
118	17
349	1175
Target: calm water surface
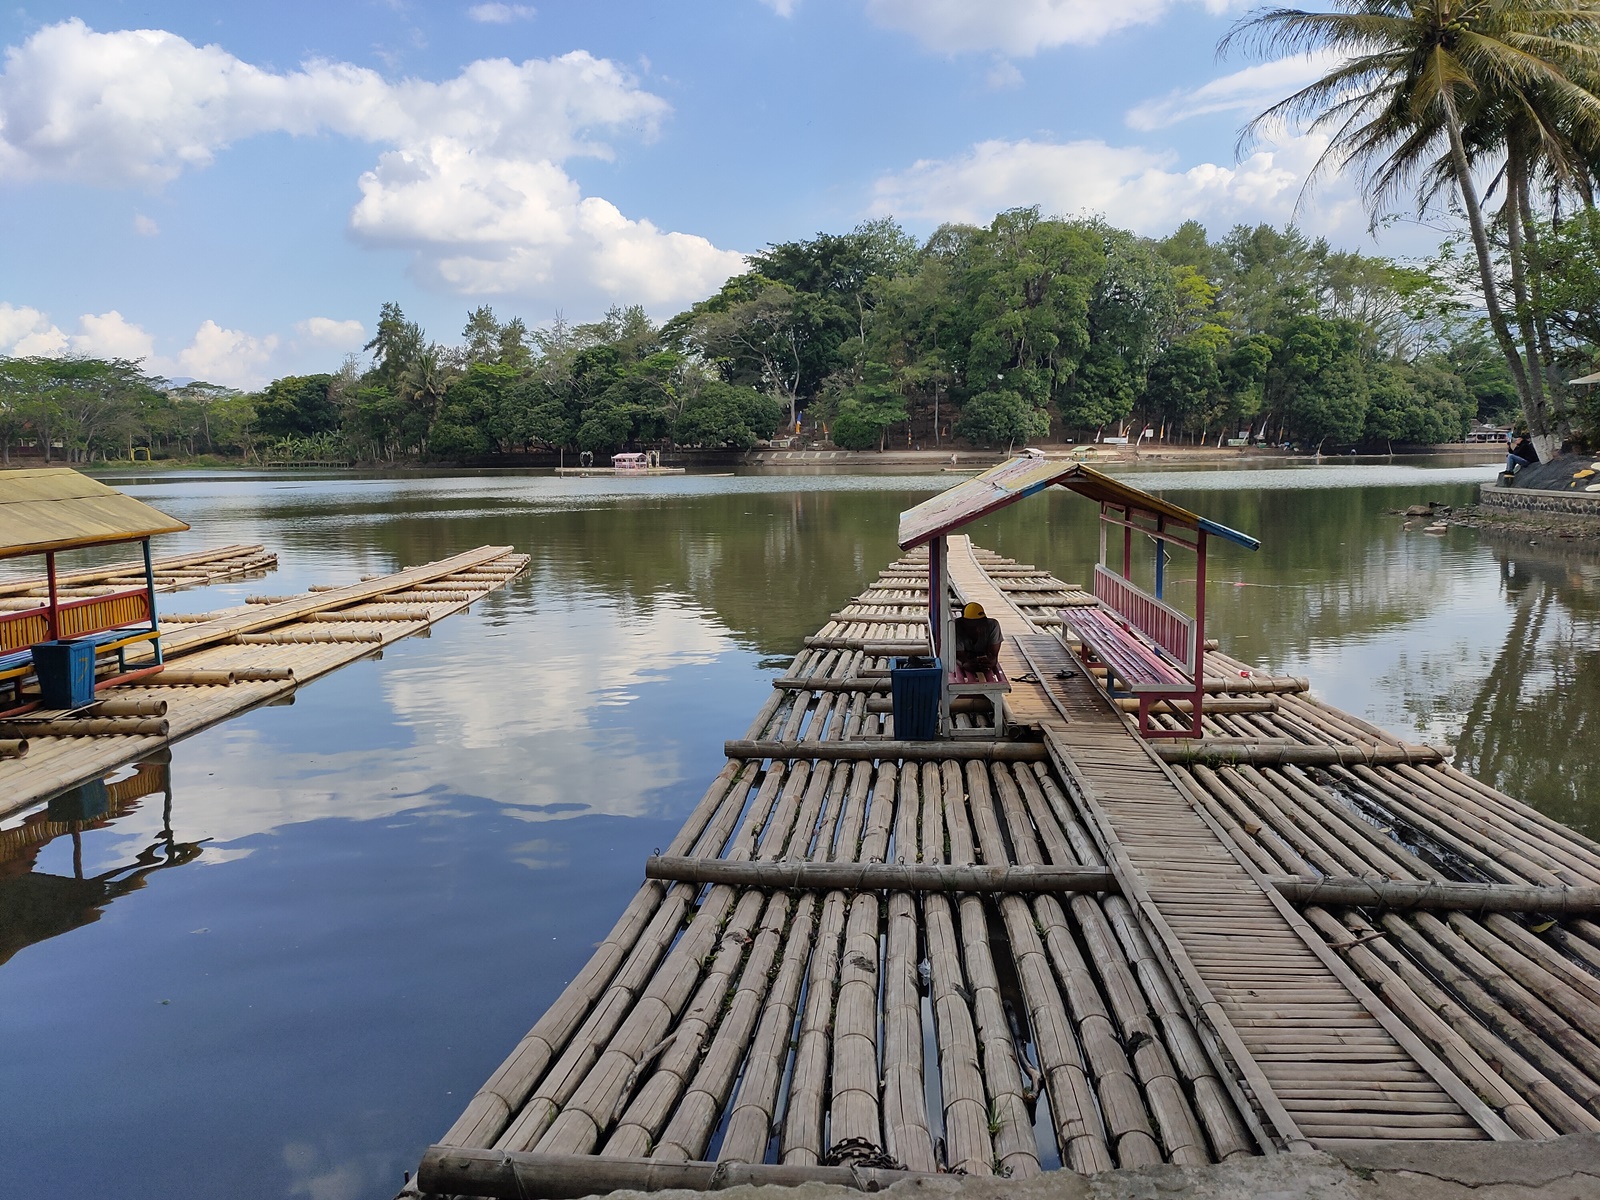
291	978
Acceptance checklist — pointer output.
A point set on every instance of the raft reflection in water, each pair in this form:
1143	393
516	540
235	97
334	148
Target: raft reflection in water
37	905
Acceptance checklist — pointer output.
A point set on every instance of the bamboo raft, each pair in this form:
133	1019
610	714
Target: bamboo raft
219	664
172	574
864	958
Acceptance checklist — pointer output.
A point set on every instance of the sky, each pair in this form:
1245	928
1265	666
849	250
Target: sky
230	192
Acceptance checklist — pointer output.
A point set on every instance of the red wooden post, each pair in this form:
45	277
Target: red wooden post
53	618
1199	628
1127	543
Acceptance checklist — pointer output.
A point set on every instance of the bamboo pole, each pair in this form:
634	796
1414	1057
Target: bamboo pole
114	707
86	727
180	677
13	748
1080	1130
634	1125
969	1148
1009	1105
1538	1104
1264	753
1165	1096
455	1171
290	637
1533	1029
135	567
1215	706
1439	896
889	750
579	1110
906	877
500	1099
1121	1104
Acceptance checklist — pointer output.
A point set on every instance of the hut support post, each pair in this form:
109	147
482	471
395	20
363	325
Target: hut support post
1161	558
940	631
1199	625
54	615
150	594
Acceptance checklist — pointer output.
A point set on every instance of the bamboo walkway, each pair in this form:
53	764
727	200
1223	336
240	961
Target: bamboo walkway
172	574
223	663
772	1007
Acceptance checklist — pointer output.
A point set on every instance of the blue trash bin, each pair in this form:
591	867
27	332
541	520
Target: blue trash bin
66	672
914	684
86	802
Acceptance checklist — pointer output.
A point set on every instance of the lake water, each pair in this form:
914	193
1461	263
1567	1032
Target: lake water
291	980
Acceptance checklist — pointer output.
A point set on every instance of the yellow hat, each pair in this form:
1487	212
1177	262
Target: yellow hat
972	611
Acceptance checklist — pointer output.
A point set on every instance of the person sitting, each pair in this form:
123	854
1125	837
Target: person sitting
1521	455
978	639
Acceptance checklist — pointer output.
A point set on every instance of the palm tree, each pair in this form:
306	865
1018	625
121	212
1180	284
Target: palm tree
1436	93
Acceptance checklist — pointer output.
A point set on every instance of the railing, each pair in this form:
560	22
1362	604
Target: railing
19	630
1156	619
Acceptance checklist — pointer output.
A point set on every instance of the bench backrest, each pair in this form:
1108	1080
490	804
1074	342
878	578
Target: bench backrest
18	630
1164	625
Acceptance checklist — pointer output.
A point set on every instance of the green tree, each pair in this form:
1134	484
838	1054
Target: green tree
992	417
296	406
1438	93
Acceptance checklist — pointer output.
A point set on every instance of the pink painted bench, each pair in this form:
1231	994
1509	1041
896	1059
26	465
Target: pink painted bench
992	685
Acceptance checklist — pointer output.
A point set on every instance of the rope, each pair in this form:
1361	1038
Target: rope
507	1162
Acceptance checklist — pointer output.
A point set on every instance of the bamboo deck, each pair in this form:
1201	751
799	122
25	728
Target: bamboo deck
1188	1014
172	574
233	660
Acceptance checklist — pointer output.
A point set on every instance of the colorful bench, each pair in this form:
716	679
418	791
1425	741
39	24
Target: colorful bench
113	622
991	685
1145	644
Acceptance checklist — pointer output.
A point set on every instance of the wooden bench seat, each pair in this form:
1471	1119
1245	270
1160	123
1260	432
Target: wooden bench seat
1134	661
992	685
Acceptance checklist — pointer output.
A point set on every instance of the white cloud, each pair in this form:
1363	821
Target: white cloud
139	107
1021	27
1132	186
226	356
25	331
501	14
215	354
1251	90
110	335
784	8
1004	76
326	331
145	226
486	224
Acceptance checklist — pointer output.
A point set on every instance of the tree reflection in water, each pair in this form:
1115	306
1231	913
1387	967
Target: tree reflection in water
36	905
1530	729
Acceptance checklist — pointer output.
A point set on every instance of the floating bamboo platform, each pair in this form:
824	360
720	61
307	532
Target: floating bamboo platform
229	661
622	472
172	574
1069	949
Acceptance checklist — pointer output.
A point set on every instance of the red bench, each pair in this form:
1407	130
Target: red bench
992	685
1144	643
114	622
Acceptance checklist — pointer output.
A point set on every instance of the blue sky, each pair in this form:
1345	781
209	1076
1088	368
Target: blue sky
230	192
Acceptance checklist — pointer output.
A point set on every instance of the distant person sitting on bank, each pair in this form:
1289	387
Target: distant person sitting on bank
1520	455
978	640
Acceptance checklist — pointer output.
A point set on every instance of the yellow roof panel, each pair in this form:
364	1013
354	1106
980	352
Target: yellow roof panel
56	508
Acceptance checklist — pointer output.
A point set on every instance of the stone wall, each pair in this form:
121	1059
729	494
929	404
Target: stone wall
1529	500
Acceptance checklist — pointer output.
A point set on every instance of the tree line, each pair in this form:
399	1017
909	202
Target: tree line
1029	328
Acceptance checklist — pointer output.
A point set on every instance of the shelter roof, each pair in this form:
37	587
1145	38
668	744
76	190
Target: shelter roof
1027	474
1595	378
55	508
